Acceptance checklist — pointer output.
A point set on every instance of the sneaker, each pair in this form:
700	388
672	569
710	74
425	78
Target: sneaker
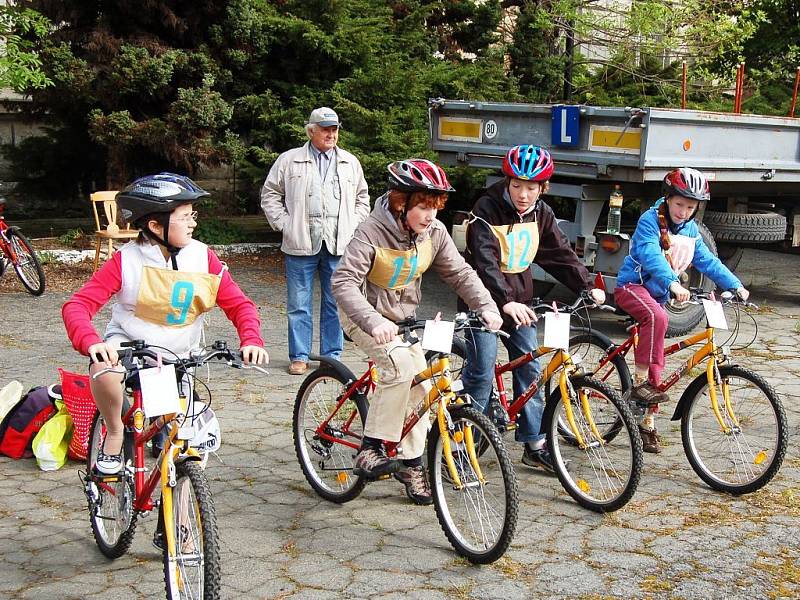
373	463
538	459
650	440
417	488
645	393
298	367
108	464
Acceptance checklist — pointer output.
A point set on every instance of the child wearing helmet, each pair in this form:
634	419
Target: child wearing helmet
164	282
511	228
666	242
376	284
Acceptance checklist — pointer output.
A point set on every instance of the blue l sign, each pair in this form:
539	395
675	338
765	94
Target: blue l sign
566	125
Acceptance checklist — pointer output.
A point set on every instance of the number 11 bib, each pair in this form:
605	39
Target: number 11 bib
175	298
518	245
396	269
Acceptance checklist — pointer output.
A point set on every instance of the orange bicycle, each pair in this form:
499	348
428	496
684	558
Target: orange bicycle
733	426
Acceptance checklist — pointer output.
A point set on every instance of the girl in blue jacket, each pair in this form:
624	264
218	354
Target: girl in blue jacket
666	242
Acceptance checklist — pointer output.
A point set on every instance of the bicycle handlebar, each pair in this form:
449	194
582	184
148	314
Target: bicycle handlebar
726	297
140	349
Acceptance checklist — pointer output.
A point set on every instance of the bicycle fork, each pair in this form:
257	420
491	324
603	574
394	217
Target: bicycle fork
713	375
567	390
449	434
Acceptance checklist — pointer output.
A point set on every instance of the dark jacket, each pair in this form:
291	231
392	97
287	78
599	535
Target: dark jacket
554	255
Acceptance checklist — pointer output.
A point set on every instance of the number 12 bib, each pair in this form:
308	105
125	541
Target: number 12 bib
175	298
518	245
396	269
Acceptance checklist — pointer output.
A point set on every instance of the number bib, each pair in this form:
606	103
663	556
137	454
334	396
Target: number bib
518	245
680	253
397	269
175	298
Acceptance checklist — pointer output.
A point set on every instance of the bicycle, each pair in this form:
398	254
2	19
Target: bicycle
475	497
715	443
187	517
597	475
16	250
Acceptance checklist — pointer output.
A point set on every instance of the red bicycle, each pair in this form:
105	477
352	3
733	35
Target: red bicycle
16	250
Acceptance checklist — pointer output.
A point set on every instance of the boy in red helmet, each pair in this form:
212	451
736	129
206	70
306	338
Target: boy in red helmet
376	284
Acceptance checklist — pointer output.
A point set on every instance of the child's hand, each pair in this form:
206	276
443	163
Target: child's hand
103	353
743	293
492	320
597	295
523	315
681	293
254	355
385	332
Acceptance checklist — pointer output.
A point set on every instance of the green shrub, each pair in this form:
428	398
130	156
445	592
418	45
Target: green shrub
219	231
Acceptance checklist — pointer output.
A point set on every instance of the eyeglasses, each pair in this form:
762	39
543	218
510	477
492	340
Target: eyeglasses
192	216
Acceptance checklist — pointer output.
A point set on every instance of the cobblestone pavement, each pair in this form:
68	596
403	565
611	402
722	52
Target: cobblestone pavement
677	537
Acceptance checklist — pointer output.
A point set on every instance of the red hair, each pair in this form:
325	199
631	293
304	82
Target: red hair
405	201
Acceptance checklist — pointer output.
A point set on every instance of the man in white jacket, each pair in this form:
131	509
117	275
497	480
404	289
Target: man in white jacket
316	195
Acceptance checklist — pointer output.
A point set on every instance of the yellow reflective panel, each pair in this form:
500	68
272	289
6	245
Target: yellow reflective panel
584	485
464	130
760	458
342	477
458	437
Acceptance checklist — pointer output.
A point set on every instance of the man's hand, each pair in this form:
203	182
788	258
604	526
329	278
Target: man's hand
523	315
385	332
254	355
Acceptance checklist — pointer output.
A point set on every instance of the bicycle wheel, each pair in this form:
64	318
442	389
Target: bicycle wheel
601	476
194	571
27	265
480	518
328	464
747	457
111	511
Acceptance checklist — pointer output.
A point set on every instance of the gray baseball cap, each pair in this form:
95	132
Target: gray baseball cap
324	117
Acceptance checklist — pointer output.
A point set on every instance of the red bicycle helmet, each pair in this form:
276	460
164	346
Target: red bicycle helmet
418	175
686	182
528	162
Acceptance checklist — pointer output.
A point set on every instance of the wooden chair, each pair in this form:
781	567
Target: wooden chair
107	230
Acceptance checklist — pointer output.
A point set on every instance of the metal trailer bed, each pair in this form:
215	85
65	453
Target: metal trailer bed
752	161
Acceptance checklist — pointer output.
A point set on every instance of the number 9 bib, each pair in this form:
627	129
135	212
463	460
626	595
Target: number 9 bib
175	298
518	245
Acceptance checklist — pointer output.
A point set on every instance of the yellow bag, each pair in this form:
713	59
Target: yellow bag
51	443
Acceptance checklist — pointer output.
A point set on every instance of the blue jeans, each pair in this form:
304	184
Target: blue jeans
478	376
300	272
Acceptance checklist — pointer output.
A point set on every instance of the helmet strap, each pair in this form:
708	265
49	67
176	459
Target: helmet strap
172	250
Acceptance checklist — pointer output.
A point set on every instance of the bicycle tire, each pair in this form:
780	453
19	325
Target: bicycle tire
27	265
490	539
763	446
111	513
316	400
602	476
592	347
191	574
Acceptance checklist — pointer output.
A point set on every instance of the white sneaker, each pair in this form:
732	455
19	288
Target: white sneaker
108	464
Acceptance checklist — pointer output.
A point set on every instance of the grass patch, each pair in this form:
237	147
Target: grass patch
784	570
654	585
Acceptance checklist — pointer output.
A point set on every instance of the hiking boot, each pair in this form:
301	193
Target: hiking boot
373	463
646	393
417	488
650	440
538	459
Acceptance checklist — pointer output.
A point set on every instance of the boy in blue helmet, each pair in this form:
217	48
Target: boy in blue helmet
510	229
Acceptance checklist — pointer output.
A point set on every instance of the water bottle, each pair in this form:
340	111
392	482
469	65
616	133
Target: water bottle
614	211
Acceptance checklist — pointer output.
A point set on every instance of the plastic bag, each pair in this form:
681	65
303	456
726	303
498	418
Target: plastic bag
52	442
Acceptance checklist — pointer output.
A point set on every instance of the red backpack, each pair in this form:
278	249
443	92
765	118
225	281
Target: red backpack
24	421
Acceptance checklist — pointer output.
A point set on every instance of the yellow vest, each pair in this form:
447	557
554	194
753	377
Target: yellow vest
397	269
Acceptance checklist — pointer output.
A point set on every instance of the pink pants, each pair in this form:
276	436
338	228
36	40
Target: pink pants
637	302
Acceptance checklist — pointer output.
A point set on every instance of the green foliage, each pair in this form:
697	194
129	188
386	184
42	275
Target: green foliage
20	63
219	231
73	237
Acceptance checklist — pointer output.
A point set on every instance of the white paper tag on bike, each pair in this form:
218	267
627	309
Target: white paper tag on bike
159	391
556	330
715	314
438	336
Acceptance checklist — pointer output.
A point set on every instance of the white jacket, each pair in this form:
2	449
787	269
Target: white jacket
287	187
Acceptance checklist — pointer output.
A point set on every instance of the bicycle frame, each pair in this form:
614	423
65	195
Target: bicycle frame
163	472
560	360
5	246
708	349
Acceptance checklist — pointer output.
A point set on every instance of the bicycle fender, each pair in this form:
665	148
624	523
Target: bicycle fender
337	366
